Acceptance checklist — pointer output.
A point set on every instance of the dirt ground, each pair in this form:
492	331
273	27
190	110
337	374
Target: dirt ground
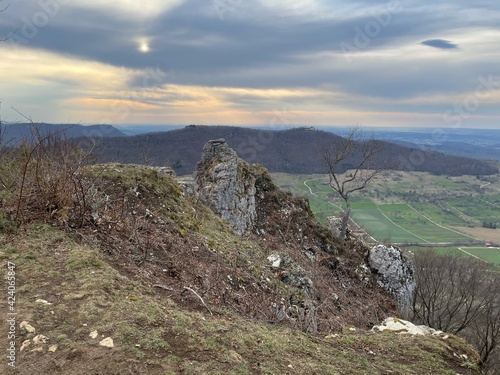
485	234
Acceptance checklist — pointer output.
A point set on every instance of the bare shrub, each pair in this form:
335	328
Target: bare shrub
459	295
42	179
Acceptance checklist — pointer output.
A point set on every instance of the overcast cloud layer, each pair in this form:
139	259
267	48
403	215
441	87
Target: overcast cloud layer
376	63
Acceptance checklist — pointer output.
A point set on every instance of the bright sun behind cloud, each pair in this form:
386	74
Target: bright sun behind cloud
144	46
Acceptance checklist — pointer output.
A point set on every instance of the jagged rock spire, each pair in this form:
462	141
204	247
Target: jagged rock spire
225	183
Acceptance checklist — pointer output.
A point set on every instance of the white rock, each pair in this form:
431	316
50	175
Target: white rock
107	342
29	328
401	326
25	344
40	340
93	334
275	260
52	348
42	301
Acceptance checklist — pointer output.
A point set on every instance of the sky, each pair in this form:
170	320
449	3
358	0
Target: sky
397	63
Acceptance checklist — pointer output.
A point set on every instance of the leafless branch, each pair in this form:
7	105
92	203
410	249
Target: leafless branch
199	297
358	155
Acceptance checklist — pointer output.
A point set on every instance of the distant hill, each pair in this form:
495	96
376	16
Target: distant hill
291	151
13	133
475	143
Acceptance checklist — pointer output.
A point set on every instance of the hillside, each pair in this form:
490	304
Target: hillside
13	134
289	151
123	269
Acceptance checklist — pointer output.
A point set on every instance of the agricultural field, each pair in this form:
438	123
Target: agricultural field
415	210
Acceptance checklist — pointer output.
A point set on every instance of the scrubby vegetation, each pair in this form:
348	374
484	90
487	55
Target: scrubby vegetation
124	251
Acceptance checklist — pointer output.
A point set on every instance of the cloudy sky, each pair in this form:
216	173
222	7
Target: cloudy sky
433	63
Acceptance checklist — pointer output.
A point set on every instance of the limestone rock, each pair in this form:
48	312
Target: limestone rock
42	301
107	342
40	339
25	344
404	326
395	273
225	184
28	327
275	260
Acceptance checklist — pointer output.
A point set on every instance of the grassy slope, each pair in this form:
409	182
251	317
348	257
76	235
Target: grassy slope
154	335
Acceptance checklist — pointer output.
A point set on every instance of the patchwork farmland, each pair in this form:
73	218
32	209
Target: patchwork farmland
415	210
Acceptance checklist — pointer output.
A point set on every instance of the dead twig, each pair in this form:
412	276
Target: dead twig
199	297
163	287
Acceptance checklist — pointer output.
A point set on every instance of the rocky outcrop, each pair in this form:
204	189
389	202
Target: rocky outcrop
225	183
395	273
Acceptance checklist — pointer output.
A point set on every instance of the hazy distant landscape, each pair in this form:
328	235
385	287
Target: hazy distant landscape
291	151
475	143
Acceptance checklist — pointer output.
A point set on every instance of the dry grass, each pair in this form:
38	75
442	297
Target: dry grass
154	335
125	251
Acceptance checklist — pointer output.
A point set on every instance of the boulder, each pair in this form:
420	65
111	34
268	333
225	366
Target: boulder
225	183
403	326
395	273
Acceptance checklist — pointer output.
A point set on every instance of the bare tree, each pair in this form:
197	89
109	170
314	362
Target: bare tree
352	163
459	295
485	331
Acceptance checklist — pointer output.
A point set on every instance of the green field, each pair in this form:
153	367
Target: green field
489	254
368	216
413	208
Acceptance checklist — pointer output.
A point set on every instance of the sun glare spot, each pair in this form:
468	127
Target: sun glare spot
144	46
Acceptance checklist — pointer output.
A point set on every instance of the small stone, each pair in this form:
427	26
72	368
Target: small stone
275	260
40	340
93	334
52	348
29	328
107	342
235	357
42	301
25	344
37	349
334	336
